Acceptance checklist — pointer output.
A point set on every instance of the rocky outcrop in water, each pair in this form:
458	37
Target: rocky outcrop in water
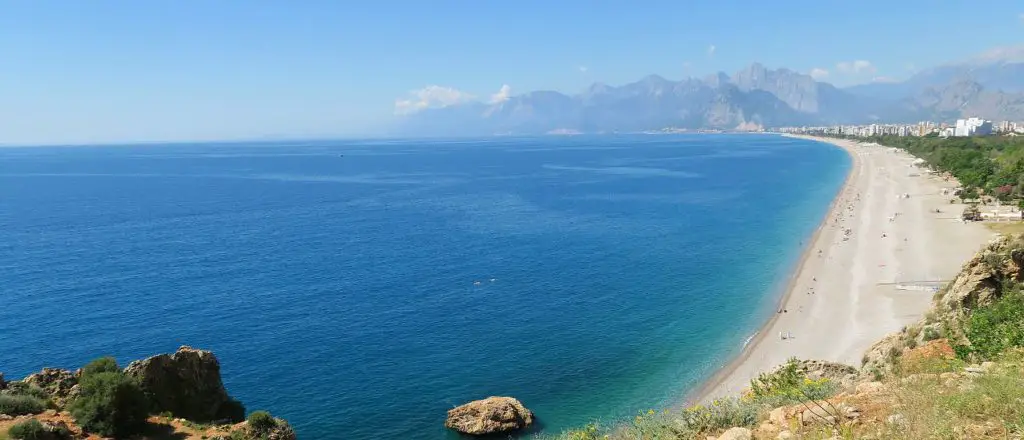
489	416
187	384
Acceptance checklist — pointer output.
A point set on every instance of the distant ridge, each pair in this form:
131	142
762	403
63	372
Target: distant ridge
990	85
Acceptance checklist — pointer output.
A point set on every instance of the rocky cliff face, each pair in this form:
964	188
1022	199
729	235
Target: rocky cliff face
187	384
60	385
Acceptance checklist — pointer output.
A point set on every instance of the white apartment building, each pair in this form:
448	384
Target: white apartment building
972	127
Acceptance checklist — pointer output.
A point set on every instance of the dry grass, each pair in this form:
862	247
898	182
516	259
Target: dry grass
1005	228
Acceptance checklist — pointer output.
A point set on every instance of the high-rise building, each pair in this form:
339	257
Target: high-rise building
972	127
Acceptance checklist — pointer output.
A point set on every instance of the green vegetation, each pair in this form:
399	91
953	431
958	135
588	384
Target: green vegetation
24	389
261	423
110	403
104	364
786	386
16	405
994	164
995	328
987	409
30	429
21	398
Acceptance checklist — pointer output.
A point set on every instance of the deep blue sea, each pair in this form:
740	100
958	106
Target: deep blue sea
360	289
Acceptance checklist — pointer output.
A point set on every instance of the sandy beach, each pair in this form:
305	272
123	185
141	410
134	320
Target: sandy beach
867	270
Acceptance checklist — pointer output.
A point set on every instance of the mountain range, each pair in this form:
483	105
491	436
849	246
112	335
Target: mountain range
990	86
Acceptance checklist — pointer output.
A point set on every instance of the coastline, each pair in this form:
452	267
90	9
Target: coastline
848	300
706	390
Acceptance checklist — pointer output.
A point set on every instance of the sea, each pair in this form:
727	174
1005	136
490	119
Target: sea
361	288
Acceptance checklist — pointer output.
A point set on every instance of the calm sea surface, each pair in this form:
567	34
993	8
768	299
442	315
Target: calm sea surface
362	288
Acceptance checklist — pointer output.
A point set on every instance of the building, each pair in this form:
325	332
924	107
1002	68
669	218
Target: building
972	127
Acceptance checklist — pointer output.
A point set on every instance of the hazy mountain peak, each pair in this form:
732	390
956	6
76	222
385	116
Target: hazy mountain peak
717	79
1004	55
654	79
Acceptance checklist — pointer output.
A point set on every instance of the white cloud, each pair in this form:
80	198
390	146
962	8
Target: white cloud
711	50
818	73
856	67
583	69
431	96
502	94
884	79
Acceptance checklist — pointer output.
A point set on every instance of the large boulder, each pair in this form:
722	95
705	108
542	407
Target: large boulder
187	384
58	384
736	434
489	416
3	385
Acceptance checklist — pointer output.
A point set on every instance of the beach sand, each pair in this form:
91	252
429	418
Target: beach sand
844	295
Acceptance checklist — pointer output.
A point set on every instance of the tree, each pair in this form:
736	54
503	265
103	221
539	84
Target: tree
105	364
110	404
968	193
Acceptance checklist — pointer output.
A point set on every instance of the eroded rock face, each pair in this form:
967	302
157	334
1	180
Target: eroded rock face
283	431
57	383
188	384
489	416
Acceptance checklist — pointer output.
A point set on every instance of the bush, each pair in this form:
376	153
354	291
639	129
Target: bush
30	429
110	404
105	364
789	385
261	422
995	328
24	389
19	404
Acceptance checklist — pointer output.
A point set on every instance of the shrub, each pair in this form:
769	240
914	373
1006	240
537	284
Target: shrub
930	334
589	432
24	389
110	404
105	364
18	404
30	429
261	422
994	328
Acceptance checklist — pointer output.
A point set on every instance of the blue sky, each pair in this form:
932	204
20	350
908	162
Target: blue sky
117	71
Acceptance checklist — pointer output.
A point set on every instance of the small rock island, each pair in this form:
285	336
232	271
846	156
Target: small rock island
489	416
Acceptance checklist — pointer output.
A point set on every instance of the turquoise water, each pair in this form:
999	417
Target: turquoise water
362	288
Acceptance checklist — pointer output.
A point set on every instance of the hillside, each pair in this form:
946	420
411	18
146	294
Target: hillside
169	396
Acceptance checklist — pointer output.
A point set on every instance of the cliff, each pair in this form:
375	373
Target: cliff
175	396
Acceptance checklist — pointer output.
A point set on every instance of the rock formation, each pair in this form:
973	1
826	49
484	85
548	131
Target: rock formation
58	384
187	384
489	416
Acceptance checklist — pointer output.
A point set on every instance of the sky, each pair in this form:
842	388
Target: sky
160	70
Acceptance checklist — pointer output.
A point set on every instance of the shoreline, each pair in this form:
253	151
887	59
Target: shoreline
704	392
873	236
